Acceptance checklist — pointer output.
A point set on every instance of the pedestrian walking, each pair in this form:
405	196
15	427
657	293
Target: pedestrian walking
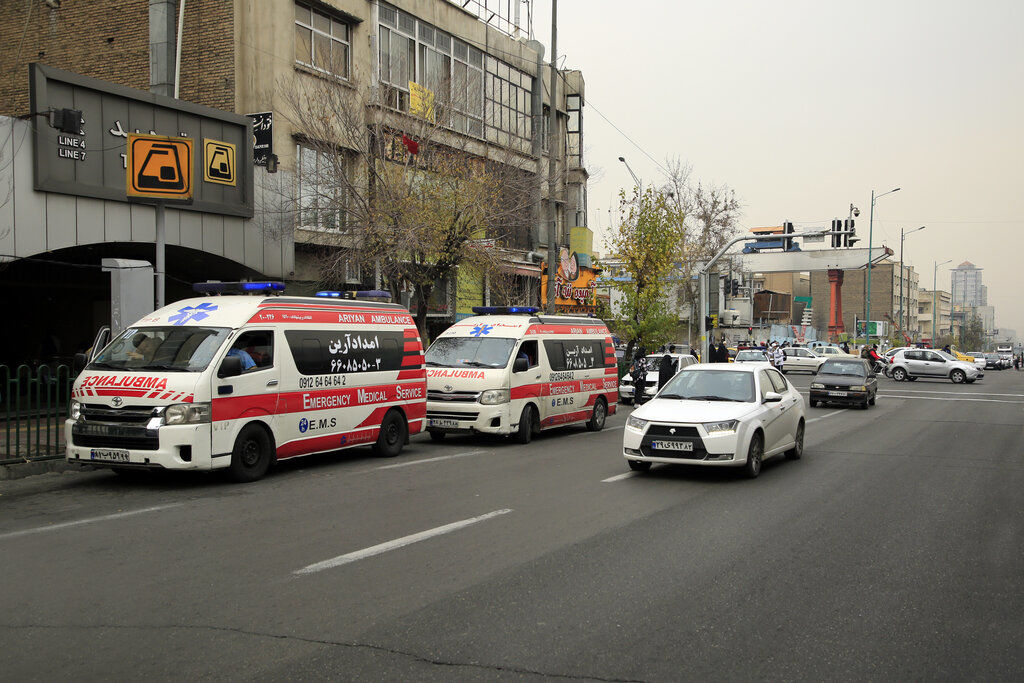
638	372
666	370
777	356
723	352
846	347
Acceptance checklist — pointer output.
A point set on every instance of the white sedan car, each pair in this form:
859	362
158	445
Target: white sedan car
627	391
801	359
717	415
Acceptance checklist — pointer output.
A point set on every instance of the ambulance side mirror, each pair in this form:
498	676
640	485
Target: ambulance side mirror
230	367
520	365
79	363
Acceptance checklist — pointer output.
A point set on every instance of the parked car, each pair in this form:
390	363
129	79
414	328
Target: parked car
717	415
915	363
801	359
831	352
626	389
844	380
751	356
993	361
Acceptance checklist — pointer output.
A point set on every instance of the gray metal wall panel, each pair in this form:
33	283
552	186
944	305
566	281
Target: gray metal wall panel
29	205
191	229
117	221
213	234
172	225
89	217
143	223
254	249
60	222
234	241
6	187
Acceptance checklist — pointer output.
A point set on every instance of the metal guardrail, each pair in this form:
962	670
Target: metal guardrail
33	407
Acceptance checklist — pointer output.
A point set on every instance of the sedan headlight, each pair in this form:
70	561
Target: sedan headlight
636	423
724	427
817	385
187	413
859	387
74	409
493	397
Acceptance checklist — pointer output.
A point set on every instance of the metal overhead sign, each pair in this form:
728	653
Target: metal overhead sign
159	167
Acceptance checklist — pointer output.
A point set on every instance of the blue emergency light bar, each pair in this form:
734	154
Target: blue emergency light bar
504	310
365	294
238	287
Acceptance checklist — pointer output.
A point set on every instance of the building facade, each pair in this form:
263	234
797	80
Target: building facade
967	286
886	281
943	311
261	59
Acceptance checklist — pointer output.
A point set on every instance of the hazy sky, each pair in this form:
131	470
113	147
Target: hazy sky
804	107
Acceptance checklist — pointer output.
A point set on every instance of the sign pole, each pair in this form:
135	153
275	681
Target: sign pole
161	253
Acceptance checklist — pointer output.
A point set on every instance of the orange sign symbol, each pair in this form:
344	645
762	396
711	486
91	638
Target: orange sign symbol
218	162
159	167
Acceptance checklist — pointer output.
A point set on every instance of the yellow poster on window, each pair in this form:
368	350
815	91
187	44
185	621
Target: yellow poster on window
421	101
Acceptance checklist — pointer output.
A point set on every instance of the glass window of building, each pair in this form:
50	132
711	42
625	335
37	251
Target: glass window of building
321	41
320	189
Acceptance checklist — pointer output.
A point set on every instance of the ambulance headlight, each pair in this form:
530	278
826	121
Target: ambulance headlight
493	397
187	413
74	409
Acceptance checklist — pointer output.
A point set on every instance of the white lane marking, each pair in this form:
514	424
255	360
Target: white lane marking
955	393
397	543
89	520
426	460
618	477
822	417
958	398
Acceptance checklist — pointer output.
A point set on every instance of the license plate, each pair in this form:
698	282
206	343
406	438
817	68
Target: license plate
672	445
108	455
840	394
442	423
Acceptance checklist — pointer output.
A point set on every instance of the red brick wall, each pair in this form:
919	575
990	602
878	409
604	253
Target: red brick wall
109	40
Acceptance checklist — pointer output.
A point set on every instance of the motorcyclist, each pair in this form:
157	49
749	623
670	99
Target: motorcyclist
877	361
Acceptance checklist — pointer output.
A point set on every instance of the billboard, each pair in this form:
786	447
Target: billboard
94	163
574	285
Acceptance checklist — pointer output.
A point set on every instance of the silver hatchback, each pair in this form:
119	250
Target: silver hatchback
910	364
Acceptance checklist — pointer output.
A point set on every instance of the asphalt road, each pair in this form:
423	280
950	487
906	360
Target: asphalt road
892	550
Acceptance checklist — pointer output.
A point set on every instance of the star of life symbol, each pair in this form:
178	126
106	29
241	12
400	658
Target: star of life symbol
190	313
481	329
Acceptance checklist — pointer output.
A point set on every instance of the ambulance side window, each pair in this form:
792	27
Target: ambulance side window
256	349
528	350
556	356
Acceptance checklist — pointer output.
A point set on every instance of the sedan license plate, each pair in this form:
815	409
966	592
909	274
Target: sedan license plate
672	445
442	423
839	394
108	455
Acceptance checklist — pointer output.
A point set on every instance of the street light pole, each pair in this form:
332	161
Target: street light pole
935	291
902	278
636	180
871	236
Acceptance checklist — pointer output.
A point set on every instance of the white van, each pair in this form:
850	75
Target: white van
238	382
511	371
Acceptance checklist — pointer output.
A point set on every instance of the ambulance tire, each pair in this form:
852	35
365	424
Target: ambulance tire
596	421
528	425
393	434
250	458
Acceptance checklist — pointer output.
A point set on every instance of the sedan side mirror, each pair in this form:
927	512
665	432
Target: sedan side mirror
230	367
772	397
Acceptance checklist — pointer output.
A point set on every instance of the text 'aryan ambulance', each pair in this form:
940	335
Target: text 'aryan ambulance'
510	371
238	382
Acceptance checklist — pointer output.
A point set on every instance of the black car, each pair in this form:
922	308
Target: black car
992	361
846	380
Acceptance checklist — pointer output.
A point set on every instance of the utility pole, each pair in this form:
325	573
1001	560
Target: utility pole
552	140
162	82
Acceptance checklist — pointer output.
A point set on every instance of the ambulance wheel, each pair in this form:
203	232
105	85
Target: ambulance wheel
250	458
393	433
528	425
436	435
596	421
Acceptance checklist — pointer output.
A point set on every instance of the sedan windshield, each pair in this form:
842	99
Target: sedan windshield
836	368
750	355
178	349
711	385
471	352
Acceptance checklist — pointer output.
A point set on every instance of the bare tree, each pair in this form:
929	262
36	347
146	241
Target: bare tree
403	194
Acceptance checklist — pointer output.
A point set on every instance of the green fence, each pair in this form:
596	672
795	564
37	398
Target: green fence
33	407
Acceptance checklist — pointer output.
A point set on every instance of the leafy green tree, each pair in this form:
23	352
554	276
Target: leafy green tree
648	241
972	335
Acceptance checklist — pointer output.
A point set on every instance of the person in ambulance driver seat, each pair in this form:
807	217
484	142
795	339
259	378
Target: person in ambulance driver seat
247	362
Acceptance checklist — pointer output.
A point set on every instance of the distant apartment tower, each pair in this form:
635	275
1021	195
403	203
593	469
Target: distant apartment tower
968	290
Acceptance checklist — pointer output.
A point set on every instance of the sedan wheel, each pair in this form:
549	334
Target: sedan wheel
958	376
797	451
754	455
899	374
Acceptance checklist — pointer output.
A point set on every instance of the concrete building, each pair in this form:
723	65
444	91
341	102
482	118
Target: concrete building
967	286
943	314
253	58
886	281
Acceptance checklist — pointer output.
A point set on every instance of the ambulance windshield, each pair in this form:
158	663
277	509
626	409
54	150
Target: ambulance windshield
177	349
470	352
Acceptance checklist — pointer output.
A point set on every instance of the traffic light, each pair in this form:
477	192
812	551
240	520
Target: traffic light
837	239
707	323
750	331
734	288
787	242
850	239
714	320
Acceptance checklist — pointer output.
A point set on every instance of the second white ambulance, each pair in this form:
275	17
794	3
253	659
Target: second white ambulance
511	371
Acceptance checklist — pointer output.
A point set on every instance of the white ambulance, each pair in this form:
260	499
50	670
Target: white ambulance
511	371
238	382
